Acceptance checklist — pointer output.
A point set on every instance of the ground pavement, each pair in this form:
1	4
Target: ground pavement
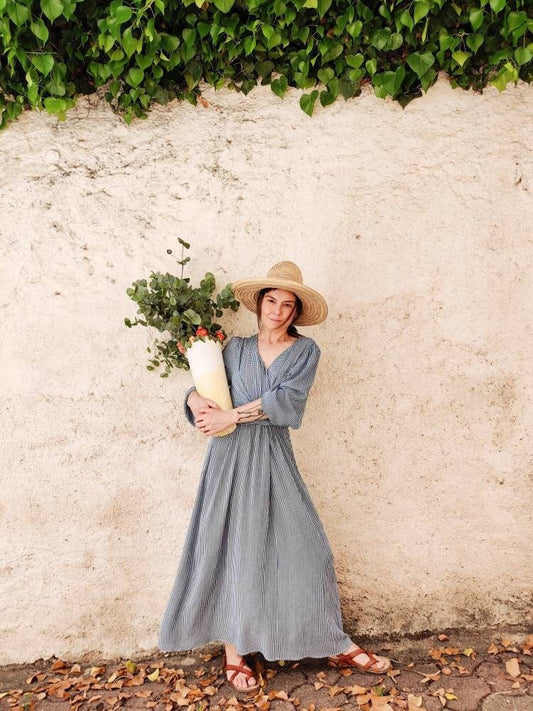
466	670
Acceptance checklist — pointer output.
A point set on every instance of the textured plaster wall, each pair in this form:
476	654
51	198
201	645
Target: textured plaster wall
415	224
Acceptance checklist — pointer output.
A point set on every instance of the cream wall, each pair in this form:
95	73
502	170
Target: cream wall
415	224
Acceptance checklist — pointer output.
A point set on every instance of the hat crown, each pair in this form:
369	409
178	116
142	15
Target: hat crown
288	271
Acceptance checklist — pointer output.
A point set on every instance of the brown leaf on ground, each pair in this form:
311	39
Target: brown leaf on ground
513	667
446	671
431	677
515	685
528	642
362	699
356	689
414	702
345	672
507	642
318	685
452	650
411	665
493	649
469	652
334	690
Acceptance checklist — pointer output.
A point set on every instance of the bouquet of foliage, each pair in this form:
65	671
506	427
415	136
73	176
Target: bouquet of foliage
170	304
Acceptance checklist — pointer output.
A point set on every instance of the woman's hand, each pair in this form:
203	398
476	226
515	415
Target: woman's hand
211	421
197	403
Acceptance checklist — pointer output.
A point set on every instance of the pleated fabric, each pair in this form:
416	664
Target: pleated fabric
256	569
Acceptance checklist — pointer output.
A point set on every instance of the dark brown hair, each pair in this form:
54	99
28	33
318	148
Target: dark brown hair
292	331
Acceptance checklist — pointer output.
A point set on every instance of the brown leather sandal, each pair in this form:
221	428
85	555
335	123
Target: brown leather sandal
341	661
248	673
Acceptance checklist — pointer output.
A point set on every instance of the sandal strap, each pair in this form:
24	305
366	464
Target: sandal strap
349	658
248	673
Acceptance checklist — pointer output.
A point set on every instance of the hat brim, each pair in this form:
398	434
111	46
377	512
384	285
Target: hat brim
314	306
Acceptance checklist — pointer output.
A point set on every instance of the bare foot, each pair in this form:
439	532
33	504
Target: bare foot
239	680
374	664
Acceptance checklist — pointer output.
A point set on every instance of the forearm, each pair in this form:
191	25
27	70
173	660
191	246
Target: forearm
250	412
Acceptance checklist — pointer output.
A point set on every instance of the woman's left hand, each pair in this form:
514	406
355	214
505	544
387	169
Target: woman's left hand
211	421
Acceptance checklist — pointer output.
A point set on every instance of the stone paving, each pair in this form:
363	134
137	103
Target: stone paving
466	670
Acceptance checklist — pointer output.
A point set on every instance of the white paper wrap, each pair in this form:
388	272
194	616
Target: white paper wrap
209	375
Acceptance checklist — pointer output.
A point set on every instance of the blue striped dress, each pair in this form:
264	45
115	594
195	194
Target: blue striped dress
257	569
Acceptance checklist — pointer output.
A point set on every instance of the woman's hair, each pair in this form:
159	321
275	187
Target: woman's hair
292	331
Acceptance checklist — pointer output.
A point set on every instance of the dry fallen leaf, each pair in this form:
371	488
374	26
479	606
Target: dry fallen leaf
515	685
318	685
442	637
507	642
154	676
431	677
493	649
446	671
414	702
356	689
450	696
411	665
513	667
469	652
345	672
334	690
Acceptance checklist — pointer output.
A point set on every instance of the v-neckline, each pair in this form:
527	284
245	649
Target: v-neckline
267	368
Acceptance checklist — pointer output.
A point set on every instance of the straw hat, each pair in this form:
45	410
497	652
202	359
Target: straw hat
287	276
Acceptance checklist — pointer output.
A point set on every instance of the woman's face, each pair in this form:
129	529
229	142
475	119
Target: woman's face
277	309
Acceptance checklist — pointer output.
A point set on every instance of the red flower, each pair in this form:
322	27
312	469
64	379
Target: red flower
220	335
181	348
202	331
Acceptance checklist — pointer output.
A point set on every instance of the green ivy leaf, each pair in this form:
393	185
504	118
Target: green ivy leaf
497	6
224	5
421	10
461	57
279	86
371	66
476	18
323	7
354	29
326	74
40	30
43	63
522	56
18	14
129	42
307	102
122	13
474	42
135	76
52	8
420	63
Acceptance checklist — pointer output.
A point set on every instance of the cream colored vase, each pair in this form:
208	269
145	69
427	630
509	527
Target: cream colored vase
209	375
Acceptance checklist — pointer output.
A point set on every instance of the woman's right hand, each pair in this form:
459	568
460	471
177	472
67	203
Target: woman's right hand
197	403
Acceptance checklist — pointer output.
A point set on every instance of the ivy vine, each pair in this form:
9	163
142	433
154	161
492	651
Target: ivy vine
142	52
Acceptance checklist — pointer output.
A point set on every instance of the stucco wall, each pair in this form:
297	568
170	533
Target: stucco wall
416	226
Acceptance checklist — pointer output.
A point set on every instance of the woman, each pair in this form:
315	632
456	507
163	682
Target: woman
257	570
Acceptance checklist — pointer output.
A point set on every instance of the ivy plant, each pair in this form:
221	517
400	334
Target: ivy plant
141	52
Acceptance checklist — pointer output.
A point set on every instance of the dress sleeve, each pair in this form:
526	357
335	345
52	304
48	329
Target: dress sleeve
188	411
284	404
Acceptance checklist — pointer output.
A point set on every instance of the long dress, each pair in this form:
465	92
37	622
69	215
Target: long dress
257	570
